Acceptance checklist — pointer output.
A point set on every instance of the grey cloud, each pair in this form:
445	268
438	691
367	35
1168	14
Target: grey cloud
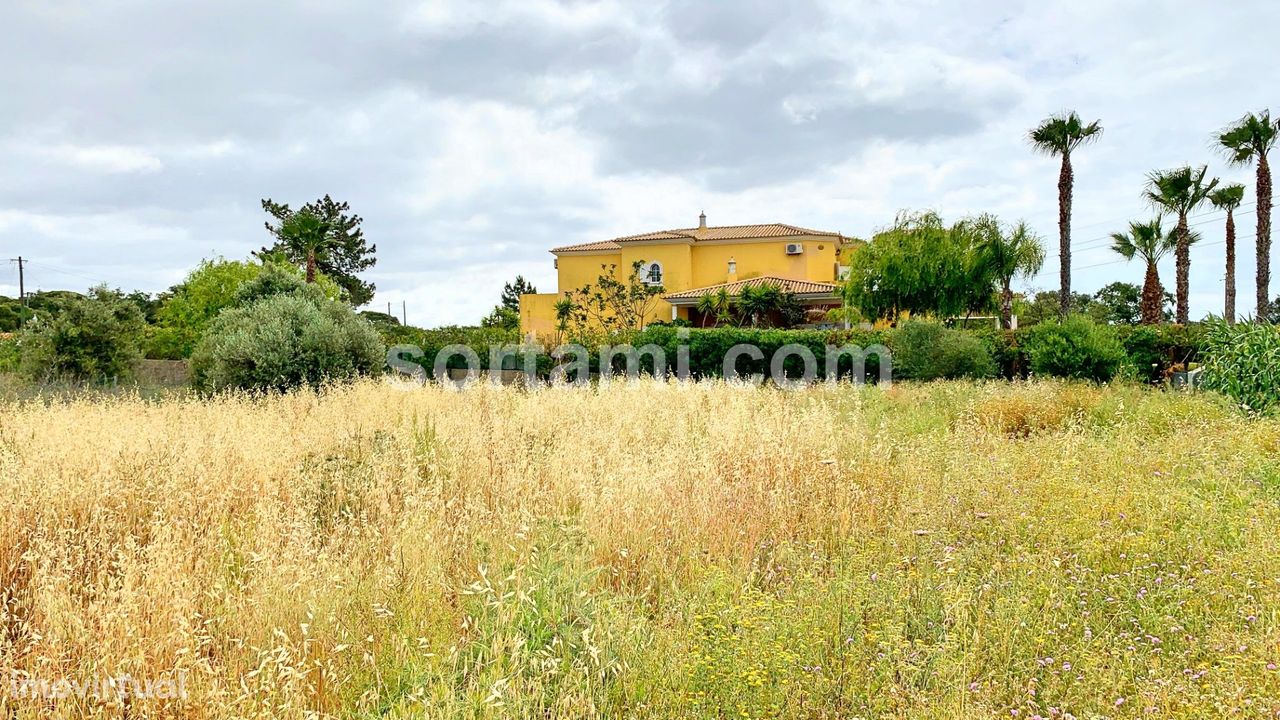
738	134
737	26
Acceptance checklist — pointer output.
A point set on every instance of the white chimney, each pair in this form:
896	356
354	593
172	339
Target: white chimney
702	221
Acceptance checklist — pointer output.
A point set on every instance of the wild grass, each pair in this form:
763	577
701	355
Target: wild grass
943	550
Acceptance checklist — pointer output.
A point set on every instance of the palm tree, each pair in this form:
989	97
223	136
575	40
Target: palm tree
1249	139
755	303
706	306
305	234
1180	191
1007	255
1060	135
1150	242
714	306
1228	198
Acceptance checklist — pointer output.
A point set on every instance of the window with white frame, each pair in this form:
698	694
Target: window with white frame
651	273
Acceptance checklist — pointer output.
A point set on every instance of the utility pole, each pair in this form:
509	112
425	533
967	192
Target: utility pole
404	313
22	287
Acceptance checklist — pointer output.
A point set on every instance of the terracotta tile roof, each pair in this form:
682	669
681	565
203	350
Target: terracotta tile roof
724	232
598	245
799	287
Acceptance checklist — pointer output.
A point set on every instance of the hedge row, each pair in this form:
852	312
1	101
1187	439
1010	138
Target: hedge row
1151	351
707	349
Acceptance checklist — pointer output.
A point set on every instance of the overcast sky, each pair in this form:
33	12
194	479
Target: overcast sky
137	136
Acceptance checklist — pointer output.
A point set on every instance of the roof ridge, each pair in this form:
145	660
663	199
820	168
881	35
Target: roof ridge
703	234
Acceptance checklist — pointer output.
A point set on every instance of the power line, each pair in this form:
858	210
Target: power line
1125	260
1101	240
63	271
1121	220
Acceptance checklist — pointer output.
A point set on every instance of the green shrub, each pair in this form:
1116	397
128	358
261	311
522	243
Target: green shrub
1153	349
431	341
1075	348
1004	348
212	287
8	354
93	338
273	279
708	347
1144	352
1243	362
285	341
928	351
13	314
380	320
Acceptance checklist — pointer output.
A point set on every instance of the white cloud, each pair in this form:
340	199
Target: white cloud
446	17
110	159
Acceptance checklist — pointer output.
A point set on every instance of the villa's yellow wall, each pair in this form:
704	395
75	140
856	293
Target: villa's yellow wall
711	261
675	259
822	263
538	314
575	271
684	266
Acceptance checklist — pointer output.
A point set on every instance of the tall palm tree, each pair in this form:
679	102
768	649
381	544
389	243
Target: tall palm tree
1150	242
1248	140
1228	198
1060	135
305	234
1180	191
1017	252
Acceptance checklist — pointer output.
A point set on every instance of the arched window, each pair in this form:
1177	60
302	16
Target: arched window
651	273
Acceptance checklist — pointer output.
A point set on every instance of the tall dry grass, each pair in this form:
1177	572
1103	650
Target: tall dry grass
946	550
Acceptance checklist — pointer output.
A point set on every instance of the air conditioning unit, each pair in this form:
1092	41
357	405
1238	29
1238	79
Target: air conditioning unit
795	248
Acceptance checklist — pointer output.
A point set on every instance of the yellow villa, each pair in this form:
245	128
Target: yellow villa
691	262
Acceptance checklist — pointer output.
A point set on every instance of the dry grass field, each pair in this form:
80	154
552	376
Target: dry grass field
948	550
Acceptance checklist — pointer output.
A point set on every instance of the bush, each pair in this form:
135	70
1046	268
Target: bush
380	319
273	279
432	341
1153	350
213	286
928	351
285	341
13	314
1004	348
708	347
93	338
1142	347
1243	362
8	352
1075	348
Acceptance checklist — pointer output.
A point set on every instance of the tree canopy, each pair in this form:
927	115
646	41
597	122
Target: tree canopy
922	266
343	255
506	314
1061	134
92	338
188	308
